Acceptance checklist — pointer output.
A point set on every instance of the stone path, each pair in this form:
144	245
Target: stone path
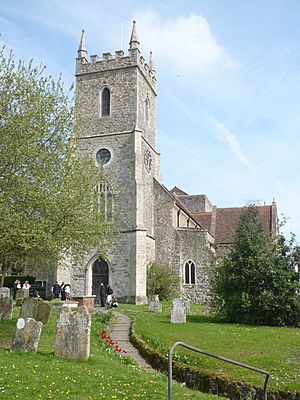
120	332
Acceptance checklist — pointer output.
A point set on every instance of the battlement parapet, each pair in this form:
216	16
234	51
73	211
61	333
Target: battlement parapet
108	62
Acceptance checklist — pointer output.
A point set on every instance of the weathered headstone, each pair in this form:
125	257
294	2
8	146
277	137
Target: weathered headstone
73	331
154	304
6	308
4	292
43	312
187	306
178	311
22	293
82	334
29	308
27	335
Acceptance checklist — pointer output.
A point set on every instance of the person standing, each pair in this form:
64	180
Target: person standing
67	288
109	292
17	286
62	291
102	295
56	290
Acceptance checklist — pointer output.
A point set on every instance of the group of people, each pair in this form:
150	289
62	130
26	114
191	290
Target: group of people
26	285
106	297
62	291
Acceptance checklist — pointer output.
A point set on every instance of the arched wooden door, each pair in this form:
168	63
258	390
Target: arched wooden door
100	275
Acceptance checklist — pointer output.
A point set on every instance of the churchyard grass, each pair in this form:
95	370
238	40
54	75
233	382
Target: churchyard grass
275	349
43	376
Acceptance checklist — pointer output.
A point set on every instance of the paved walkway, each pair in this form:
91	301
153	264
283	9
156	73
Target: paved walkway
120	332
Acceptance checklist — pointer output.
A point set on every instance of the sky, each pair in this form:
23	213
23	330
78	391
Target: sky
228	84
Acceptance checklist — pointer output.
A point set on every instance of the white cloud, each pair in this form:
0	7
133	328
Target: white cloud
185	44
232	142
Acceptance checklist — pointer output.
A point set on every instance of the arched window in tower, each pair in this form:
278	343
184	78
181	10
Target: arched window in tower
104	199
105	102
189	273
147	109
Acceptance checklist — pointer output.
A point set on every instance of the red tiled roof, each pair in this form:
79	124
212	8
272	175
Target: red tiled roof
203	219
227	220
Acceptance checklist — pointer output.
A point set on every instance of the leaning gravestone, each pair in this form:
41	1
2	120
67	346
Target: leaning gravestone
154	304
73	331
4	292
43	312
29	308
187	306
6	308
27	335
178	311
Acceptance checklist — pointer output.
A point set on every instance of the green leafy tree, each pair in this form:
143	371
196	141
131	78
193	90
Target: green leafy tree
47	201
256	281
162	280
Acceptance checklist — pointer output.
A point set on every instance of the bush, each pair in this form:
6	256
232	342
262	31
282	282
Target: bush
10	280
162	280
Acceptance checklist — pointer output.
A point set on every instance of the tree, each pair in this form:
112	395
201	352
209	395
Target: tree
47	204
256	281
162	280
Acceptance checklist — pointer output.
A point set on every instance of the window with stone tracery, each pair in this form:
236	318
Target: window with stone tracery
104	199
189	273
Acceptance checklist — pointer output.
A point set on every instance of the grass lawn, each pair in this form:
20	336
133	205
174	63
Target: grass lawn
43	376
276	350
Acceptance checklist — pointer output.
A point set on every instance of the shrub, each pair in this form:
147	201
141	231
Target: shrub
162	280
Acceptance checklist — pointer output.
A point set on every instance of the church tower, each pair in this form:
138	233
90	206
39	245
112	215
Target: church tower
115	101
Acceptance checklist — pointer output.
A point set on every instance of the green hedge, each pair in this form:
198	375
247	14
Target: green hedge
10	280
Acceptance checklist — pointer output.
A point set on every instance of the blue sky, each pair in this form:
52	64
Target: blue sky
228	106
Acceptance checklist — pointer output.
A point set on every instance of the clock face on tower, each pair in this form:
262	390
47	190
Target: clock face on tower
148	160
103	156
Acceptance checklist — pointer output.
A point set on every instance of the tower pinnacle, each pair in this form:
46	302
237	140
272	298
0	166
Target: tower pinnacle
134	43
151	63
82	48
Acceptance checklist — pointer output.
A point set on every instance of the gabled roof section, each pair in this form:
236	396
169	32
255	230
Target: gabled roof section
204	219
177	191
178	202
227	219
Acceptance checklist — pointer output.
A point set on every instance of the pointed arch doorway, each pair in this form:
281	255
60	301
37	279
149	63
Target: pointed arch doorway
100	274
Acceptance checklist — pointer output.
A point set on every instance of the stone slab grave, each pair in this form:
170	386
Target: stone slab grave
178	311
4	292
73	332
27	335
6	308
154	304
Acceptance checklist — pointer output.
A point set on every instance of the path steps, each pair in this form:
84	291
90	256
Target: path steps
120	332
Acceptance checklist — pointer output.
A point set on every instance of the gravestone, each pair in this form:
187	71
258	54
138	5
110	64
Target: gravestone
73	331
29	308
27	335
82	334
6	308
43	312
154	304
178	311
187	306
22	294
4	292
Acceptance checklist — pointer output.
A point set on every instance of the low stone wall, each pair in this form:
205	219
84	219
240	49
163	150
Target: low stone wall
205	381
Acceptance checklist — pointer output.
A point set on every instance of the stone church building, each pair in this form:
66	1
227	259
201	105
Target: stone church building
116	102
